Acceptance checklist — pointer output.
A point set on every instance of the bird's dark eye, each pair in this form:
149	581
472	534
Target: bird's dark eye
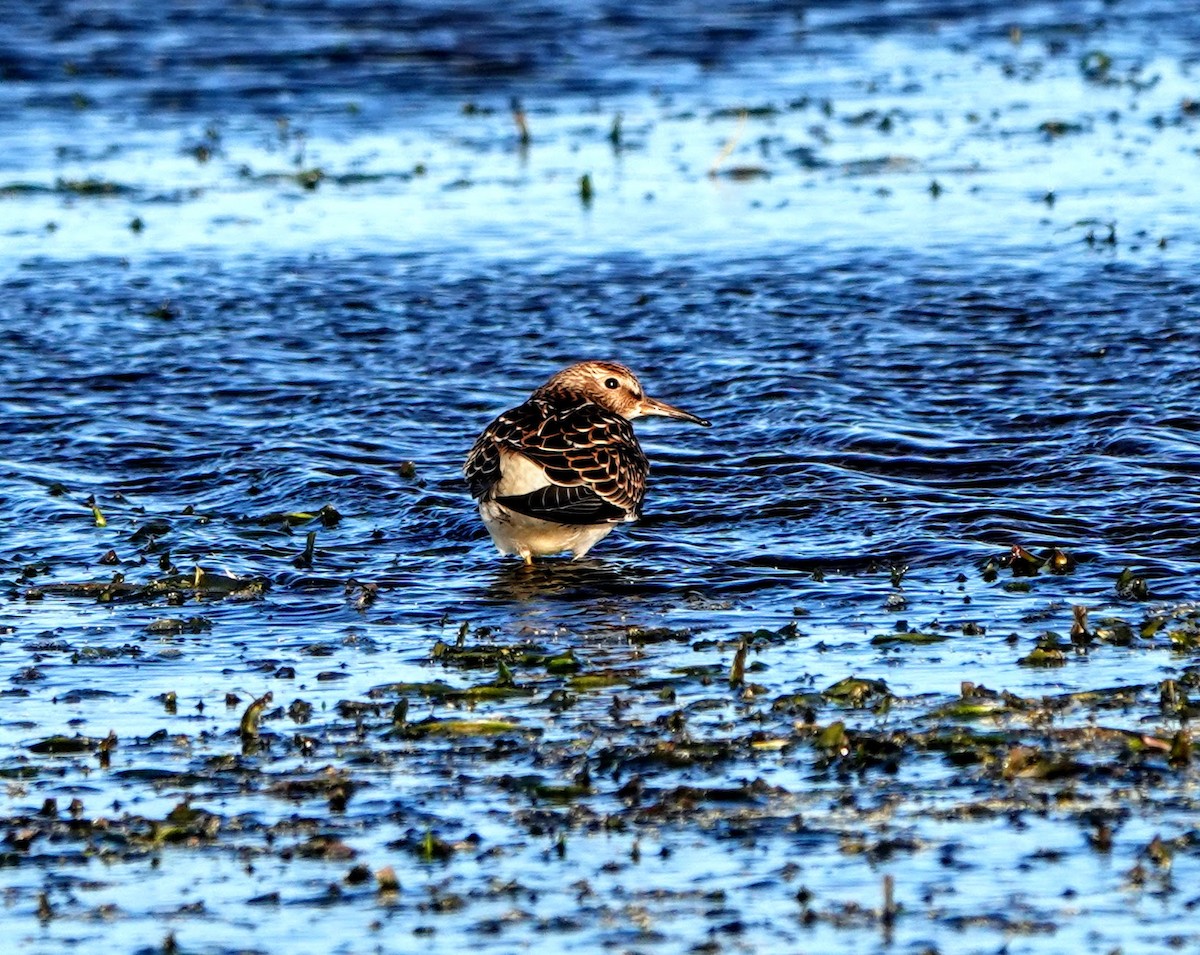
611	383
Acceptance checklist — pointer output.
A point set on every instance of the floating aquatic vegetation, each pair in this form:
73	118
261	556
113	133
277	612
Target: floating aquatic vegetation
643	636
60	745
364	594
199	583
488	656
1048	653
304	560
907	637
248	728
92	187
859	693
455	728
587	682
327	514
1022	563
173	625
1132	587
1095	66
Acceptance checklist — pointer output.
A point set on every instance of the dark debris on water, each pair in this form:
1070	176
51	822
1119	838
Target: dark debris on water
704	757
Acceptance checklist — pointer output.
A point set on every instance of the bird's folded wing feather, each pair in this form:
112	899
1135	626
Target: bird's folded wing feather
582	446
565	505
482	467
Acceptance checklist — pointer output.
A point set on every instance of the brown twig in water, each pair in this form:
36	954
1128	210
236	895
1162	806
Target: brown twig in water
730	145
518	114
737	673
888	915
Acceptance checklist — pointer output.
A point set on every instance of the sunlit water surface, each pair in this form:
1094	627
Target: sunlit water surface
935	289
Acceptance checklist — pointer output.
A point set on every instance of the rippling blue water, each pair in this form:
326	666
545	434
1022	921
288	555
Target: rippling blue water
926	326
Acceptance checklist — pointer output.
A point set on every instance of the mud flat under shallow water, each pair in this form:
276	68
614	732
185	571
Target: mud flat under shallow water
903	656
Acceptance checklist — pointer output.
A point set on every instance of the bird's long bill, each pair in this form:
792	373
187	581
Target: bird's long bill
652	406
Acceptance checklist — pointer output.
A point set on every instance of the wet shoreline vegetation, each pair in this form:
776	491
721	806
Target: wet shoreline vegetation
904	656
569	740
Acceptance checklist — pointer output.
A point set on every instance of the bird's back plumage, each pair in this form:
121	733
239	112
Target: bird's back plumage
594	468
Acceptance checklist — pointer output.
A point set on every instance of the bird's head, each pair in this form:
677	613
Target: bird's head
615	387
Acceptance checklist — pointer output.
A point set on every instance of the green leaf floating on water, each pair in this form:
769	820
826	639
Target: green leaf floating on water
480	727
596	681
914	637
486	656
328	515
444	691
833	738
1043	657
488	691
1132	587
858	692
249	724
970	708
435	689
563	663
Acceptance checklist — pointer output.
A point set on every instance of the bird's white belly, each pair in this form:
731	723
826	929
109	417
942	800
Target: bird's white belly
515	533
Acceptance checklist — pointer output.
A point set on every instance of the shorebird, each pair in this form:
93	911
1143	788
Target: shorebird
559	472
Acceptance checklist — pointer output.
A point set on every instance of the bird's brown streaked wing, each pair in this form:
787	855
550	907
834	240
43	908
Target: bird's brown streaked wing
482	467
580	445
586	445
